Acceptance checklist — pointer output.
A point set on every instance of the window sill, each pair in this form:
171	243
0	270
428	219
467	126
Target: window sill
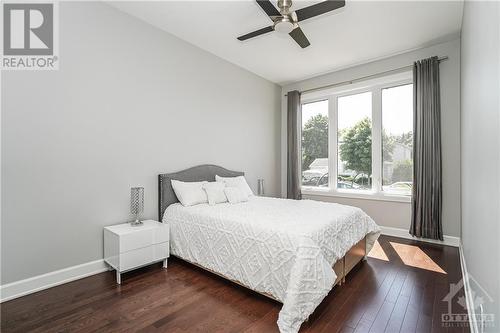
364	195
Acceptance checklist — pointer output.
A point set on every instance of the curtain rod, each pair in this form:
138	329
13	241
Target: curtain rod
363	78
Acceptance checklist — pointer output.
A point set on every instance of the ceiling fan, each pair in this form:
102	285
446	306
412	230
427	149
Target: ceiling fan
286	21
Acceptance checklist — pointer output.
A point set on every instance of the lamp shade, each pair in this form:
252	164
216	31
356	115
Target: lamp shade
137	200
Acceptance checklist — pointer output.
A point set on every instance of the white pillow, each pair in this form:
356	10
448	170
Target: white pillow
239	182
235	195
215	192
190	193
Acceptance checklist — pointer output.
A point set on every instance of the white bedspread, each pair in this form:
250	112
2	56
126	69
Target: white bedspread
282	247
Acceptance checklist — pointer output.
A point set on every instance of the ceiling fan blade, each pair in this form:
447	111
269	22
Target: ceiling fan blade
268	7
256	33
318	9
299	37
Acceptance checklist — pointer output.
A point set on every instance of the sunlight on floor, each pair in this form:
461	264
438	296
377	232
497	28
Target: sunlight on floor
412	255
377	252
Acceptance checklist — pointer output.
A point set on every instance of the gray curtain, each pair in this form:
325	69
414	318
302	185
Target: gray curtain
293	143
427	181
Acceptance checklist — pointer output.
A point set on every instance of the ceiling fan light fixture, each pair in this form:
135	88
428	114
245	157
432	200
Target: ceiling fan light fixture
284	25
286	21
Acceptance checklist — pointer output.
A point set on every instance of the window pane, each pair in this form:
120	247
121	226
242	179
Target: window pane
315	144
397	139
355	142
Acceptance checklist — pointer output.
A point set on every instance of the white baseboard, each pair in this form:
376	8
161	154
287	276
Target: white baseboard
51	279
403	233
469	300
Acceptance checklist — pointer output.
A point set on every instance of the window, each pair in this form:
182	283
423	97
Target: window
315	144
358	142
397	139
354	140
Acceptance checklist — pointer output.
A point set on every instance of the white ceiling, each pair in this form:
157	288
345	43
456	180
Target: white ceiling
357	33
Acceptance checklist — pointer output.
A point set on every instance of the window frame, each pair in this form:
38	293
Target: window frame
374	86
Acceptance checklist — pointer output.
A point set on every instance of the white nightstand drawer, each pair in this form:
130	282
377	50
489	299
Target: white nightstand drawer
143	256
135	258
142	238
136	240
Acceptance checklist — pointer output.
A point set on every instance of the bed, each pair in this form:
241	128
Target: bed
293	251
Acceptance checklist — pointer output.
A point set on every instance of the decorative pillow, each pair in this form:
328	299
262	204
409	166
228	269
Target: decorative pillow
235	195
215	192
239	182
190	193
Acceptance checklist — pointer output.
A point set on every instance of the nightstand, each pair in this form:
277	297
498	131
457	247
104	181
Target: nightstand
128	247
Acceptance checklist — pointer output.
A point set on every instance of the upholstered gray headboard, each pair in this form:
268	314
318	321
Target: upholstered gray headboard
166	195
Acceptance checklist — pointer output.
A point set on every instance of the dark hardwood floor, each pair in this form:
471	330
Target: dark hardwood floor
398	289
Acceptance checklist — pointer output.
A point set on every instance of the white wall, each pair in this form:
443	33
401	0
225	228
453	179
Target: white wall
398	214
128	102
481	149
